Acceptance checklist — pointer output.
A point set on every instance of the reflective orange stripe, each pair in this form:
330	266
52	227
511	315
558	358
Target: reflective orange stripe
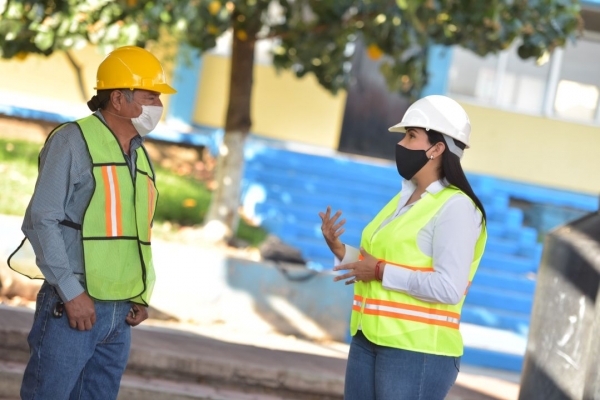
357	303
414	308
150	206
424	320
424	269
409	312
467	289
112	195
118	197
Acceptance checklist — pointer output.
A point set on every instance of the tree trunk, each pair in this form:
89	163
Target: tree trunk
223	216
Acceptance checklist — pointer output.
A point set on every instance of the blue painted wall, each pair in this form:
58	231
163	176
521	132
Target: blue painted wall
438	67
186	79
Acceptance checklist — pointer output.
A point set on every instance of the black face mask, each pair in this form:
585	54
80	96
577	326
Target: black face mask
409	162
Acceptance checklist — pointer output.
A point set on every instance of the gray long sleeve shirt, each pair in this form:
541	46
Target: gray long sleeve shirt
63	190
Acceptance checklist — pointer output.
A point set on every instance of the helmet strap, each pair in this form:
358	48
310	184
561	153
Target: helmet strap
452	146
116	115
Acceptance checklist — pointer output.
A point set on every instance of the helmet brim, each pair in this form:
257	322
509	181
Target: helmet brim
163	88
398	128
158	87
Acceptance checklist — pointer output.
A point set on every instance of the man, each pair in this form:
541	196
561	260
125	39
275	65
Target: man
89	223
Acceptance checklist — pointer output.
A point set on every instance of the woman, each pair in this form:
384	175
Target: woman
416	261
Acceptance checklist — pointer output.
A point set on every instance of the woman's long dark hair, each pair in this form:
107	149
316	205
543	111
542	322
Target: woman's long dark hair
452	170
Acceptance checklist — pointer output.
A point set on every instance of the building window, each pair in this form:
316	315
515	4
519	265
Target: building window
522	83
473	76
565	85
579	81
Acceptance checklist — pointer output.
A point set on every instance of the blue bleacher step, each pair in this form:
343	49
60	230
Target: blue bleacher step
304	197
273	215
499	299
502	245
495	318
493	348
509	263
321	190
492	359
501	230
495	279
280	156
325	168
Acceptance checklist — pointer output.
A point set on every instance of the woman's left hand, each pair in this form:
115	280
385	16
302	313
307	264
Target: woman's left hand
359	271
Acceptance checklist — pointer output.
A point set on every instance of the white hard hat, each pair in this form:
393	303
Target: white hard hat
439	113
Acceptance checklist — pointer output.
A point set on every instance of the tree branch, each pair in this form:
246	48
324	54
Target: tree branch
79	75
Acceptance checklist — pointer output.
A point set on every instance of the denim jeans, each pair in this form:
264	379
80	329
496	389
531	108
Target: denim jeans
385	373
66	363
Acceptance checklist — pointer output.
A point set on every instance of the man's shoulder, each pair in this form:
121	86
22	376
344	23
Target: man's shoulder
65	138
69	131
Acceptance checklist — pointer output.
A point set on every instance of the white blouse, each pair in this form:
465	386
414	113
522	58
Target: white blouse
449	238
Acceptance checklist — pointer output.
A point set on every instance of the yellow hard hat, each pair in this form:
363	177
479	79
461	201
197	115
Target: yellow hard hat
132	67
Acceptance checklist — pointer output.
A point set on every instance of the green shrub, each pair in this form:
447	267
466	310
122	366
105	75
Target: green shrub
18	173
181	200
254	235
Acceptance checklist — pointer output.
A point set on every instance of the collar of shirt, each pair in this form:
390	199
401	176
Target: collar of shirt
408	188
135	142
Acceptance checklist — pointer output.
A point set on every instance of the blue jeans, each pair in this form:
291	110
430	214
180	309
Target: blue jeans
66	363
385	373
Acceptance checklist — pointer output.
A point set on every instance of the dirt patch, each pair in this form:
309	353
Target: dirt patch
24	129
183	160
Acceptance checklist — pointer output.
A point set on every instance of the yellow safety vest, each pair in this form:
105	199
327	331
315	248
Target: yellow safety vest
116	226
395	319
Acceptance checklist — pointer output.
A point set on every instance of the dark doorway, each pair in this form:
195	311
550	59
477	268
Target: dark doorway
370	110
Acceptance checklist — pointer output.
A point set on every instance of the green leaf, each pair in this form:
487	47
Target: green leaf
44	40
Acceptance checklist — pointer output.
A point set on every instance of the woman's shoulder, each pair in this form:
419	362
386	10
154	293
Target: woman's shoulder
460	205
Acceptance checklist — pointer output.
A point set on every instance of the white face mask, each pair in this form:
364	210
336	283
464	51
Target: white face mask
148	119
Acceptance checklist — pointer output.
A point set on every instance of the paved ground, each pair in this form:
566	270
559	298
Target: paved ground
179	361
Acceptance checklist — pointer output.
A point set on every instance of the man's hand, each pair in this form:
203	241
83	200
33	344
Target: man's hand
137	314
81	312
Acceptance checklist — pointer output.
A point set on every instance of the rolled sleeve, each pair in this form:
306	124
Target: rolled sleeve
351	255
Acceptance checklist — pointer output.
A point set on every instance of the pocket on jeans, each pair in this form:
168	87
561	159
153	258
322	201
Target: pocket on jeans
457	363
39	302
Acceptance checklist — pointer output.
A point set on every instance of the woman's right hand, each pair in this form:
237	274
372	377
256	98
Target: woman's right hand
332	232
